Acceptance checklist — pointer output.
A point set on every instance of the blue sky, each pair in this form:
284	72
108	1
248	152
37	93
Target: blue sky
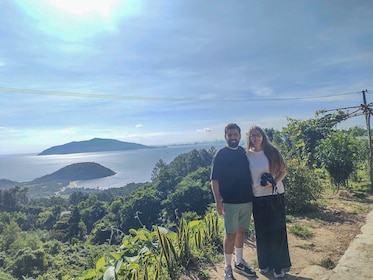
161	72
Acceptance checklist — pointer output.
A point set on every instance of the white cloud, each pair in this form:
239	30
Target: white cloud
84	7
165	68
205	130
265	91
68	131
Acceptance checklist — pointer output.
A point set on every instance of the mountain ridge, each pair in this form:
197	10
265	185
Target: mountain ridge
92	145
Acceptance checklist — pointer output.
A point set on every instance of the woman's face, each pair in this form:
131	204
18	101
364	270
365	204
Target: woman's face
256	138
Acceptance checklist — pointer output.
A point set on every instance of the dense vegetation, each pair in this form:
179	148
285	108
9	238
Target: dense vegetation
159	229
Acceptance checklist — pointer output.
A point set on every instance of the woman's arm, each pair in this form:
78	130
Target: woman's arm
280	176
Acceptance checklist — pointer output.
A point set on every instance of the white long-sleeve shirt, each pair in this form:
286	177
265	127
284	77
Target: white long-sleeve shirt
259	164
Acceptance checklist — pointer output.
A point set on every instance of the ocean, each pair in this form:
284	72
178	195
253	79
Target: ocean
133	166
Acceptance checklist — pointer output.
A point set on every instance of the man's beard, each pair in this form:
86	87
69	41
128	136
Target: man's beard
233	143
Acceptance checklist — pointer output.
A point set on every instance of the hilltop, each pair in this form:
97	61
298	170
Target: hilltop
93	145
75	172
51	184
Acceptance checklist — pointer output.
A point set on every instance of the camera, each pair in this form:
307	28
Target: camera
267	177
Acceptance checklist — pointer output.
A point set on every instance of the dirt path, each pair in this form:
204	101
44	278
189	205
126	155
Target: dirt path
332	232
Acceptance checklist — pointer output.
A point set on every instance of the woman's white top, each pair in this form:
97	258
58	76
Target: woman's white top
259	164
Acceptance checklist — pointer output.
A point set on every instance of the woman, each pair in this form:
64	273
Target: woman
268	205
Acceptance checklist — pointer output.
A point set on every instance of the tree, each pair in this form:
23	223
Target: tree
158	168
9	235
13	199
192	194
169	176
301	187
76	228
306	134
47	218
357	131
77	197
337	154
142	208
189	162
29	263
93	213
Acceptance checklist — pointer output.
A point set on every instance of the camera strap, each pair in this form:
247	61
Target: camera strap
274	188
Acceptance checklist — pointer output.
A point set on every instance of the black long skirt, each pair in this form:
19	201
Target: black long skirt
270	229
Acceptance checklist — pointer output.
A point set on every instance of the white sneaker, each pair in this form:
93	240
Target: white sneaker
228	274
279	275
264	270
244	269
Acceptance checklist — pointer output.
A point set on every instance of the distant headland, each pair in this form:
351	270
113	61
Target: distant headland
93	145
56	182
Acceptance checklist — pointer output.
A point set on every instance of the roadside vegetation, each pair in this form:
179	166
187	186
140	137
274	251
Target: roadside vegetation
168	228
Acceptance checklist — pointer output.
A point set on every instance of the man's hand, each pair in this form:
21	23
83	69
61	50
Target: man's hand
220	207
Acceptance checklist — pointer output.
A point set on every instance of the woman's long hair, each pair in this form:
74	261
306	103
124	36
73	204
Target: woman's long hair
276	162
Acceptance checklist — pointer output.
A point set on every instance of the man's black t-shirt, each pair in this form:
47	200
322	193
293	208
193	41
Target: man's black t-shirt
231	169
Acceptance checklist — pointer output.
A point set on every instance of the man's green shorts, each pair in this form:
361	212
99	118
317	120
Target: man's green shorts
236	216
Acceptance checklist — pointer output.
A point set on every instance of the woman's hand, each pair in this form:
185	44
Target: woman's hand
269	185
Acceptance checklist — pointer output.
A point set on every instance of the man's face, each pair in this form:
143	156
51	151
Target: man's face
233	138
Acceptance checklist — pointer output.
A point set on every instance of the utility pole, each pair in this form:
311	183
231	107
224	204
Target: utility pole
363	109
367	112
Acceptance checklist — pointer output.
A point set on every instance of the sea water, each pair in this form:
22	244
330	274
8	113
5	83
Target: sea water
134	166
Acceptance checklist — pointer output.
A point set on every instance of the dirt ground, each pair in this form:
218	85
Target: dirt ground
332	228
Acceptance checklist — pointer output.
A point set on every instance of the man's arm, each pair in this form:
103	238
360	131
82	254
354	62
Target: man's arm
217	197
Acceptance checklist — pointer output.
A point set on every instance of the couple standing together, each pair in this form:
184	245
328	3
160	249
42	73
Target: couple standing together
240	189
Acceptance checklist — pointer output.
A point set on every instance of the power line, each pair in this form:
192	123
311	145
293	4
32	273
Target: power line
86	95
154	98
362	109
345	108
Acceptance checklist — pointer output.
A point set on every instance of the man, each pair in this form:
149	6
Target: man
231	185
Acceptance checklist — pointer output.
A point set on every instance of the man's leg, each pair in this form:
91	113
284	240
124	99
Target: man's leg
240	264
229	242
244	221
228	253
238	244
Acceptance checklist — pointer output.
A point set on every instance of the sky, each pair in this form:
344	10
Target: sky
161	72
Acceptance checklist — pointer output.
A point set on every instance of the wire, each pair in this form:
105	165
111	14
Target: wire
152	98
86	95
338	109
350	107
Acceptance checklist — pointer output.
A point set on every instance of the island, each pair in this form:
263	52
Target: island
93	145
76	172
54	183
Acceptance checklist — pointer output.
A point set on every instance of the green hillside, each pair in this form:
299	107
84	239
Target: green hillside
75	172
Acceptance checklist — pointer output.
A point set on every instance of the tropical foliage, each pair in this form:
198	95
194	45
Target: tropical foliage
160	229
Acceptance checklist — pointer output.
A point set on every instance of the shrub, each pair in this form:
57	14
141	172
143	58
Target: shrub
29	263
338	154
301	187
327	263
300	231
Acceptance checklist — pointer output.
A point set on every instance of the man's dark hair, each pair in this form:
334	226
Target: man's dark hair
232	126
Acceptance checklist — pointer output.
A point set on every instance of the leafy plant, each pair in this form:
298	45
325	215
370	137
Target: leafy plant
301	187
157	254
300	231
327	263
337	154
